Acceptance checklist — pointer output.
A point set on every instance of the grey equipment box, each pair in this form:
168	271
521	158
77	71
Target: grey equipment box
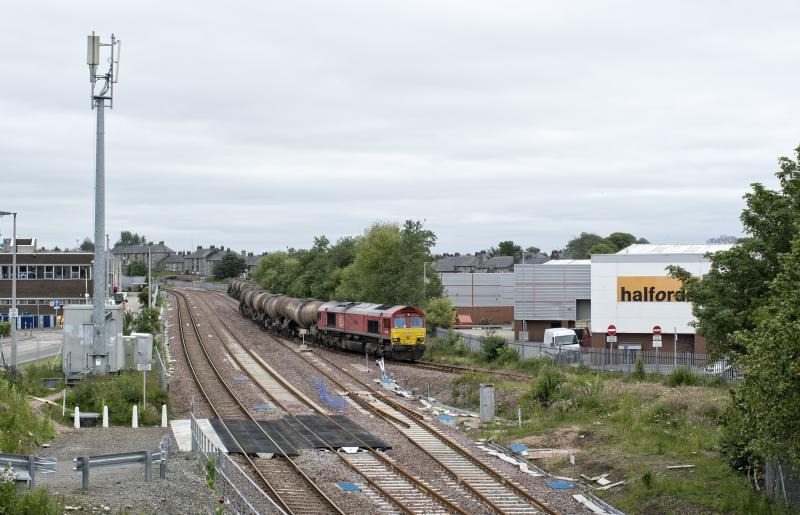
79	335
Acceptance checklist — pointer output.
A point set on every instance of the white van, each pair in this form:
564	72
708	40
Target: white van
561	338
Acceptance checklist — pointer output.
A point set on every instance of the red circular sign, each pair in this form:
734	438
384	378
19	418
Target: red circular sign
656	329
612	330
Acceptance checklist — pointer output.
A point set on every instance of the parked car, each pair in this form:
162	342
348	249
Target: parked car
723	367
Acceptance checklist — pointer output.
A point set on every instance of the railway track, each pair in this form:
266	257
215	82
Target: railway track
407	493
281	479
496	491
463	369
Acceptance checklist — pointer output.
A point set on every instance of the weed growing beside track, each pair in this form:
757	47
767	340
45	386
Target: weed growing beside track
630	428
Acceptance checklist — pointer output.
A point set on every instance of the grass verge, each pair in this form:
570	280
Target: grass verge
627	427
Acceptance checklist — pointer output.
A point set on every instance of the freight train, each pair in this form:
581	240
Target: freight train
394	332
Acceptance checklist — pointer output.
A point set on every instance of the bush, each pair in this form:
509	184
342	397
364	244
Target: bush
639	372
5	328
506	356
120	393
534	365
666	416
20	428
37	501
491	345
682	376
547	386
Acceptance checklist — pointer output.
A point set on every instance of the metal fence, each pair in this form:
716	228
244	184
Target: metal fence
239	490
616	360
198	284
782	483
162	372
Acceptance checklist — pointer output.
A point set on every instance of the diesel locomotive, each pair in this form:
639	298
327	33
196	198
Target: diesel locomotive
394	332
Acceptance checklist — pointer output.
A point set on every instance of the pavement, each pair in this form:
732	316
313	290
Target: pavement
41	343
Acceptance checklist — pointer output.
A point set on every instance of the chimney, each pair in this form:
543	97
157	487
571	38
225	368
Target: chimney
199	247
244	253
212	247
160	242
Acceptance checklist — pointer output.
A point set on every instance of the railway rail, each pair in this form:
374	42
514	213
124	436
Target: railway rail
406	492
224	403
462	369
494	490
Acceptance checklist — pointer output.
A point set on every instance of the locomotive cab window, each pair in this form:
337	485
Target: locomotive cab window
372	326
400	323
331	319
416	322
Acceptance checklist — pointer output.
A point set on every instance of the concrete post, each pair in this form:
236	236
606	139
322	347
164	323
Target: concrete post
105	416
135	418
85	472
163	415
32	470
77	422
487	402
148	465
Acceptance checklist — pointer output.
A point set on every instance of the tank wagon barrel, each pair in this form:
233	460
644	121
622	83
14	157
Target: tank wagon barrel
382	329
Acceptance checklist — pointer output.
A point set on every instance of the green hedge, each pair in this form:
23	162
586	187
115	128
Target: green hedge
5	328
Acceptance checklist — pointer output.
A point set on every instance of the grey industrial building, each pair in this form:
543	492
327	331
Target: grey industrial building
552	294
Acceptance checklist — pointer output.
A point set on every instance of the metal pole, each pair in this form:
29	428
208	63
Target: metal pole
85	472
14	299
99	277
149	280
144	389
675	350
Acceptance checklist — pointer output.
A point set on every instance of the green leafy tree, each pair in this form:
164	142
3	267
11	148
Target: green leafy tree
439	312
532	250
86	245
620	240
506	248
388	266
602	248
580	246
733	295
231	265
131	238
135	268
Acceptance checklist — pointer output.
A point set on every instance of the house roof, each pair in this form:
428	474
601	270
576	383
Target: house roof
141	249
252	260
175	258
497	262
201	253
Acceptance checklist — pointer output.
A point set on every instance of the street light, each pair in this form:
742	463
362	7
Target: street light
100	100
12	313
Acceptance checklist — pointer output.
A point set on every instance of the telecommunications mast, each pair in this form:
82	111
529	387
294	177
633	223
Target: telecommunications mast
98	357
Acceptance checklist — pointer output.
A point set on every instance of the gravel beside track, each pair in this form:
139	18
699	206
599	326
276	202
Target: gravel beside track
123	489
297	372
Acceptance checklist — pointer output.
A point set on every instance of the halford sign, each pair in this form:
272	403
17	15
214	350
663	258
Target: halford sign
649	289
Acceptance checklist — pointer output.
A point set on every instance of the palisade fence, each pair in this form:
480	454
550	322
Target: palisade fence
613	360
198	284
782	483
241	494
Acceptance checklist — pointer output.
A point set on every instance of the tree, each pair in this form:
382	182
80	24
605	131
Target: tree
135	268
533	250
505	248
723	239
131	238
733	295
439	312
388	266
765	407
231	265
620	240
579	247
86	245
602	248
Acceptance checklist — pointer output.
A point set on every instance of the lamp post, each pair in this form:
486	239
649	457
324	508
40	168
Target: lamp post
12	313
100	100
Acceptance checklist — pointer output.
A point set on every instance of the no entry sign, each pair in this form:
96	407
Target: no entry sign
612	330
656	329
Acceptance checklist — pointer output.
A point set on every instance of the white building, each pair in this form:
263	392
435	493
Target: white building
632	291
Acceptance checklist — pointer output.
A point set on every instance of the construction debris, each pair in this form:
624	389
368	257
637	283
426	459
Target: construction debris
680	466
594	508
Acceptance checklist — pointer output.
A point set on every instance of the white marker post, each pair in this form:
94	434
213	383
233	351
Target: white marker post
135	420
105	416
77	422
163	415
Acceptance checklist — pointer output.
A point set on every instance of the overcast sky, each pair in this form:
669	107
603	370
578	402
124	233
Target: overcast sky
258	125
